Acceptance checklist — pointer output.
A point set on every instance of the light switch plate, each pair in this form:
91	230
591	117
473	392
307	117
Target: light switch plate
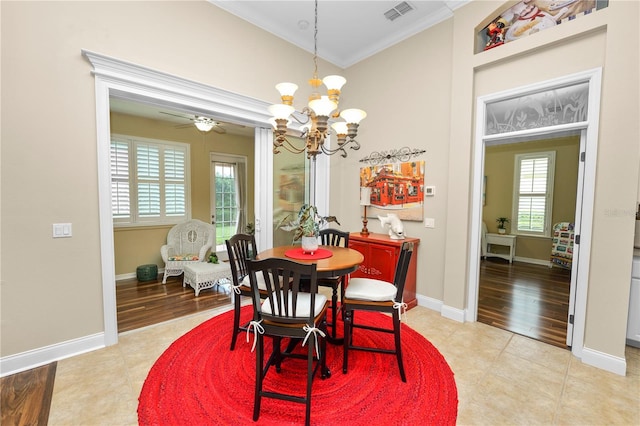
429	222
62	230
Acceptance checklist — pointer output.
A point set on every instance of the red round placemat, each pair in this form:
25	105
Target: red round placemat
297	253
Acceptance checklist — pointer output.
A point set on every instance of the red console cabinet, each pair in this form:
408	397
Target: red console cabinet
380	258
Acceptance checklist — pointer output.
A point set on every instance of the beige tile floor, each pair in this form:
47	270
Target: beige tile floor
502	378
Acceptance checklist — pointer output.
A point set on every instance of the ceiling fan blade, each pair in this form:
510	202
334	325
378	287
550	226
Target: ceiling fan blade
183	126
177	115
219	129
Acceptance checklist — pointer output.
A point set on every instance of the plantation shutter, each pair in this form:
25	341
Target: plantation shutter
174	175
149	181
534	192
148	166
120	197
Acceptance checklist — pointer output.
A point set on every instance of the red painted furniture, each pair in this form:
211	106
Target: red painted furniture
380	258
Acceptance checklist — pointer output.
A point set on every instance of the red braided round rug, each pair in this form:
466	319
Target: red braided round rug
199	381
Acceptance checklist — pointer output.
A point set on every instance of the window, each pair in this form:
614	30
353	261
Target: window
226	201
149	183
533	193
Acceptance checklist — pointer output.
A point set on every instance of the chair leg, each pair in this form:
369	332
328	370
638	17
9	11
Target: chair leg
236	320
396	333
310	349
259	377
334	311
347	337
277	352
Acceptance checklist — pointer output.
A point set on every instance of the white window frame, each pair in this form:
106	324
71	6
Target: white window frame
548	195
135	219
242	211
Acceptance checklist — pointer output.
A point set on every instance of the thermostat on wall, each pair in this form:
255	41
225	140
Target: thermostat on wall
429	191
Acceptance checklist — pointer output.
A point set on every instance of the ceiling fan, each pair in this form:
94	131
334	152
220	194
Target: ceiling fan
204	124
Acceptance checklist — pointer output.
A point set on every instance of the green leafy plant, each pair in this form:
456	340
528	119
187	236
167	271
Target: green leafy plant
250	228
502	221
307	223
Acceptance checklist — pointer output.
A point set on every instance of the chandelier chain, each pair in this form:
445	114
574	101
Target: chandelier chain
315	42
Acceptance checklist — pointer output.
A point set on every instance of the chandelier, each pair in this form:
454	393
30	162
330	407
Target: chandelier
315	117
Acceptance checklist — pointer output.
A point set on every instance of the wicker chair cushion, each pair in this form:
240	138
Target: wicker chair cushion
370	289
184	257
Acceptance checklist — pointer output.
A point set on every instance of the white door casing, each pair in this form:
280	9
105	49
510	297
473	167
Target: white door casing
586	187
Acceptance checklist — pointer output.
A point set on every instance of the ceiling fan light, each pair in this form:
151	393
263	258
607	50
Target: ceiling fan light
353	115
204	124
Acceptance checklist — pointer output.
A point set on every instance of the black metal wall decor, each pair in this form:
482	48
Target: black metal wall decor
401	154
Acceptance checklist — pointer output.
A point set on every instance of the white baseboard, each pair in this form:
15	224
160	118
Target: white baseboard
131	275
35	358
452	313
439	306
604	361
541	262
429	303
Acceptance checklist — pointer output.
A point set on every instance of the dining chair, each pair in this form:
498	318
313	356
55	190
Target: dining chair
334	237
368	294
287	312
241	248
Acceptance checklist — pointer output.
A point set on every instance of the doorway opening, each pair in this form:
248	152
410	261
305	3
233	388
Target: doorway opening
491	128
532	186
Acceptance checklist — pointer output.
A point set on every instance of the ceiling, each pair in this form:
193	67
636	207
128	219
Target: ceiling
348	32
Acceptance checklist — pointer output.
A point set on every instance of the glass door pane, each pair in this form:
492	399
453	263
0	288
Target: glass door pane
226	202
290	190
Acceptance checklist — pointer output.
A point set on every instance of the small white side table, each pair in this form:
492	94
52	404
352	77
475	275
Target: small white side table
203	275
502	240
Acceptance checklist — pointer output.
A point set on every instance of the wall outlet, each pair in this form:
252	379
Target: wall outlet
429	222
429	191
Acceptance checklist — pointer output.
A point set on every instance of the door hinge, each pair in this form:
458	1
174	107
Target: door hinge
576	239
571	319
582	156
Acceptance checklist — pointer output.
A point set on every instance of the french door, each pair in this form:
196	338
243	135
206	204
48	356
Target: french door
228	197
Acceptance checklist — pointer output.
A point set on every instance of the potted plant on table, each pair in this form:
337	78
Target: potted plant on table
502	221
306	227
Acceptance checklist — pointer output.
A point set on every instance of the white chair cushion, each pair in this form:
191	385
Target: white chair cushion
370	289
302	308
259	277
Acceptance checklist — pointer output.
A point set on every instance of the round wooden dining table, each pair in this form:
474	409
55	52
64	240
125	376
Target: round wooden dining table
343	260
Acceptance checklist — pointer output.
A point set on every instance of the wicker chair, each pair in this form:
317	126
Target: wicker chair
187	242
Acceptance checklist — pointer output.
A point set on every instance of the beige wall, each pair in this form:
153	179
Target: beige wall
137	246
427	99
499	164
49	171
419	93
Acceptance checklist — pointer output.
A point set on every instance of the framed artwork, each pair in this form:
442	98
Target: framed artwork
532	16
395	188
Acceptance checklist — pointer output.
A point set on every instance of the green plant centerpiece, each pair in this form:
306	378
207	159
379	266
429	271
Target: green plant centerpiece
306	227
502	221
